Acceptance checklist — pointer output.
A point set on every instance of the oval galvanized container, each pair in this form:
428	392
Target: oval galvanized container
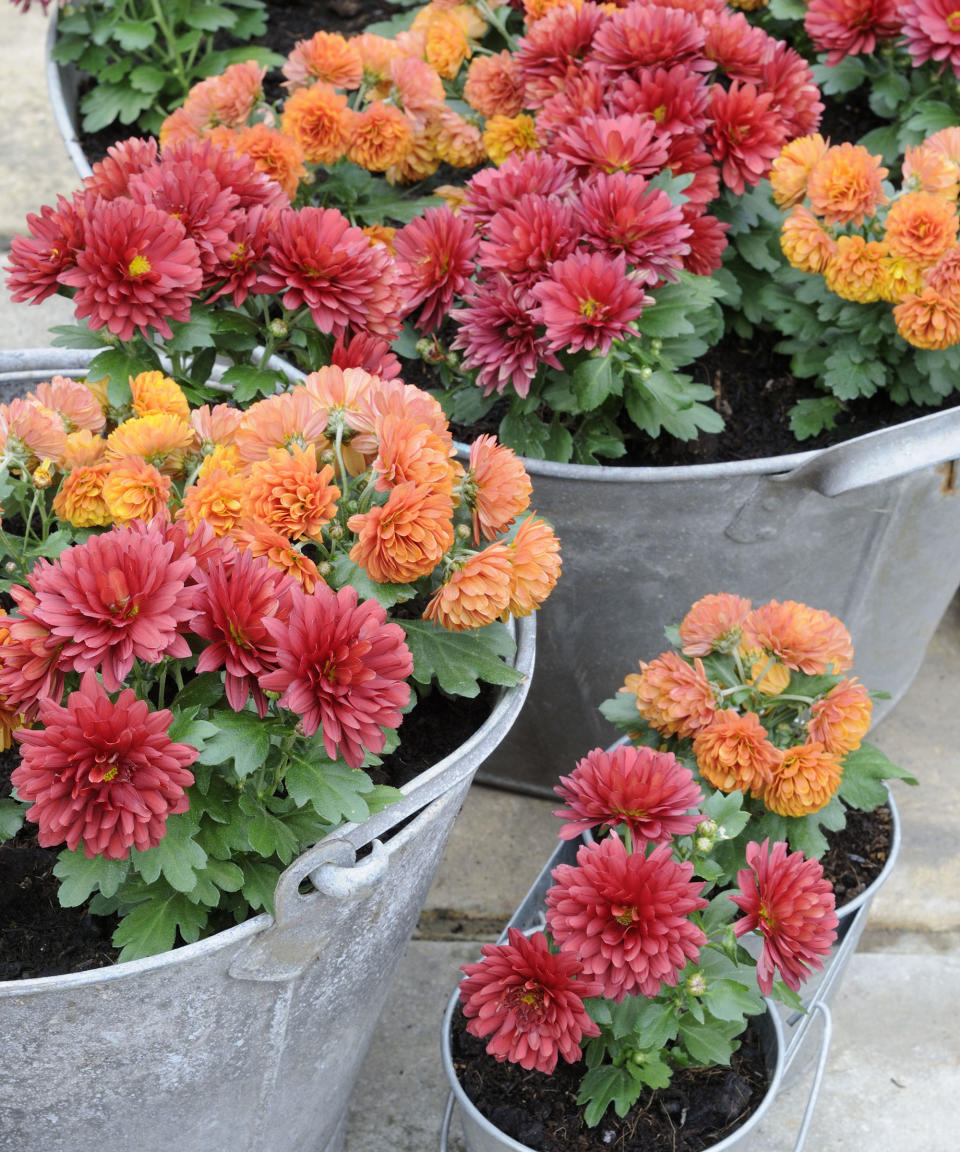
251	1039
868	530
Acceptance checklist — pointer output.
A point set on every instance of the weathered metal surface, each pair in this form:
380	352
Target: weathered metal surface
252	1039
868	530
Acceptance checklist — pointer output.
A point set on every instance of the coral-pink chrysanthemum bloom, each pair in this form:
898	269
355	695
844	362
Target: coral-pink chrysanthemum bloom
807	639
110	177
932	32
841	719
713	623
529	1001
554	48
613	144
434	260
535	173
844	28
648	36
625	916
708	239
340	664
525	238
796	97
137	270
116	598
649	792
587	301
787	899
37	260
102	773
673	696
745	137
233	601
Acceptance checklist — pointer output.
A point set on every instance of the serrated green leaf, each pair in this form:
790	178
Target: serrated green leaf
133	35
119	364
241	737
593	381
458	661
728	1000
560	445
848	379
814	415
269	836
708	1043
653	1072
259	883
178	857
203	691
837	79
604	1086
526	434
864	770
197	332
80	877
148	78
78	336
248	382
346	571
621	710
151	927
12	814
336	791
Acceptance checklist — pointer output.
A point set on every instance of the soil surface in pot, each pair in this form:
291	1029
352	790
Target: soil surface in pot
40	938
700	1107
858	853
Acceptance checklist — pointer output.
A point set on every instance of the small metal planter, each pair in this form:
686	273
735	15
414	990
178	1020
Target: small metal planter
483	1136
250	1040
62	88
868	530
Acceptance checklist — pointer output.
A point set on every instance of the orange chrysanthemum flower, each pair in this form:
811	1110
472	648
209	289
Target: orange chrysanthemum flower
766	674
805	242
76	404
405	538
505	135
791	169
806	639
80	500
417	89
457	141
921	226
496	488
381	234
927	169
380	137
326	56
420	160
135	490
410	451
9	723
844	187
901	278
734	753
82	449
223	456
494	86
319	120
218	500
928	319
274	153
447	44
453	196
947	143
534	10
536	565
376	54
858	269
30	432
944	275
262	540
674	697
841	719
281	421
227	99
160	439
476	593
216	425
289	493
153	393
713	624
393	397
803	782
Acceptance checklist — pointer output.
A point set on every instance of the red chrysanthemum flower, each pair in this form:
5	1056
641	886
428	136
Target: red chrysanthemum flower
786	898
736	47
536	173
363	350
31	665
110	177
613	144
498	336
796	98
624	916
649	792
621	213
844	28
713	624
36	261
931	29
588	301
650	36
102	773
524	239
675	98
319	259
342	666
801	637
529	1001
137	270
434	260
745	137
233	601
116	598
553	49
245	255
234	172
708	241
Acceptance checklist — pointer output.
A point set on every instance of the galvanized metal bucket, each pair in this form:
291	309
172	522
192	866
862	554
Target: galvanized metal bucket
62	88
868	530
252	1039
481	1135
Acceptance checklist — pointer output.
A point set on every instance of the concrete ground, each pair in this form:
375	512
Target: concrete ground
894	1070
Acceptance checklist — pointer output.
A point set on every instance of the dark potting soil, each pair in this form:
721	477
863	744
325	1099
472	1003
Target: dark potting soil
858	852
700	1107
38	937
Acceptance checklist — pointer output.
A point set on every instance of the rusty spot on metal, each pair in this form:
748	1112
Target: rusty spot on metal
949	485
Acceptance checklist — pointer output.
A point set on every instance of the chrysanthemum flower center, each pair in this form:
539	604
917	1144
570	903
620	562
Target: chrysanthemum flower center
238	253
139	266
526	1002
659	113
588	307
117	597
953	21
624	914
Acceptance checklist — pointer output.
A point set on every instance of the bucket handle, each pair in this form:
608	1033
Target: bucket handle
808	1111
886	454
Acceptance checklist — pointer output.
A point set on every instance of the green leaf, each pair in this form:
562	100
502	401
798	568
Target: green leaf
197	332
177	857
202	691
671	400
248	382
707	1043
728	1000
887	92
604	1086
80	877
259	883
621	710
526	434
652	1072
864	770
458	661
242	737
132	35
269	836
346	571
814	415
118	365
847	378
148	78
211	17
755	248
837	79
152	926
11	817
593	381
932	116
560	445
78	336
336	791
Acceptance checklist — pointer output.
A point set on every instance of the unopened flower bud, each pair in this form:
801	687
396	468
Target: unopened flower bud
328	456
335	531
325	568
656	346
429	349
645	372
707	827
463	531
43	474
697	984
278	329
703	843
638	1058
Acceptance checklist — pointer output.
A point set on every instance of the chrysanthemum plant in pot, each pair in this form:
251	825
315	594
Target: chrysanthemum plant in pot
639	981
268	591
